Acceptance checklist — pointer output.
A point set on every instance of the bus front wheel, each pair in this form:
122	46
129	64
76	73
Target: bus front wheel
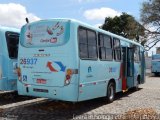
137	83
156	74
110	92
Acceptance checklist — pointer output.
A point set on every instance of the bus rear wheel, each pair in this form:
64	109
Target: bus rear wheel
137	84
110	92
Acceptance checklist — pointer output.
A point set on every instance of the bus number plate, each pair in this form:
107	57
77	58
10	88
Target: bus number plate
41	81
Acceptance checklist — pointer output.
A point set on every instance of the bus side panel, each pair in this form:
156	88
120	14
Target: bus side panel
1	72
137	72
4	66
143	67
4	81
8	79
89	77
155	67
1	59
12	75
94	78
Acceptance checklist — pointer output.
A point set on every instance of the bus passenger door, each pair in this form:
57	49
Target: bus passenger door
124	70
143	67
130	67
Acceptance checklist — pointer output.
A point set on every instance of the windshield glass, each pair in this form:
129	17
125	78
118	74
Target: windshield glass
12	39
45	33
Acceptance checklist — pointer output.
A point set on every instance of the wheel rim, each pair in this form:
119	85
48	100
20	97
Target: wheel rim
111	92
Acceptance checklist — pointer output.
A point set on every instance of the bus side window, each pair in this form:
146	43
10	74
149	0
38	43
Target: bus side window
102	51
117	49
12	44
92	44
83	43
137	54
87	43
105	47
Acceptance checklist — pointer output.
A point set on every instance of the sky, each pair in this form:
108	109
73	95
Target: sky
93	12
13	12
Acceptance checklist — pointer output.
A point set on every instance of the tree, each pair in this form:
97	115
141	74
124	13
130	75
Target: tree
124	25
150	17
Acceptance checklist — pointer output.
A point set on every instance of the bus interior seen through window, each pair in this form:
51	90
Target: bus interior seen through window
12	39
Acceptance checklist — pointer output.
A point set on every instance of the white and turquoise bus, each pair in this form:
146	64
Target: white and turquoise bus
155	64
68	60
9	39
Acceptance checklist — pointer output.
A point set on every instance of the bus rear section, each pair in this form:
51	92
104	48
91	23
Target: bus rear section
47	62
9	39
155	65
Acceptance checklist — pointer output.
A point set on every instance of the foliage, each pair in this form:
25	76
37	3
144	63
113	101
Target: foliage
124	25
150	17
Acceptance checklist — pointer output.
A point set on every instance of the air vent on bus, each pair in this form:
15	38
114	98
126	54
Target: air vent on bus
41	50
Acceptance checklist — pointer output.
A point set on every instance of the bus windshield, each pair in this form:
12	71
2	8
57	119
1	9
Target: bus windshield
45	33
12	39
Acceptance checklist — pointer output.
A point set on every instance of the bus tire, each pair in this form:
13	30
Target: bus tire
138	82
156	74
110	92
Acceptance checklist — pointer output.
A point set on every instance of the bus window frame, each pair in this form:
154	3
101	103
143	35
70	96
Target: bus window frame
120	47
85	28
6	37
139	58
99	46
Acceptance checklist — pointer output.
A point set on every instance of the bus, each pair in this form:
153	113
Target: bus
65	59
155	64
9	39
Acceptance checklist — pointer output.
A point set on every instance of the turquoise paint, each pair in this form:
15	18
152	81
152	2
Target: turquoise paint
155	63
8	76
54	59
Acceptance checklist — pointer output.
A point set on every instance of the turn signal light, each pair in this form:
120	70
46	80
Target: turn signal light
69	74
68	77
19	74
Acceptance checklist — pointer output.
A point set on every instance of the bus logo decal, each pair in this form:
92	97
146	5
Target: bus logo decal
61	31
60	64
49	31
53	40
89	69
29	35
56	26
63	68
51	68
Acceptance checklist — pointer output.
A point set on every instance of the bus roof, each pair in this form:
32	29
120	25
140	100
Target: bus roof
4	29
108	33
94	28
